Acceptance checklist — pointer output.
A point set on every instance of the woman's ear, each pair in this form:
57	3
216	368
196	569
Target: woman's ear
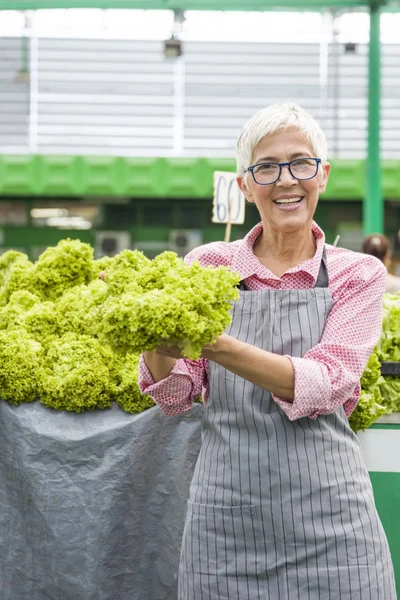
325	170
241	181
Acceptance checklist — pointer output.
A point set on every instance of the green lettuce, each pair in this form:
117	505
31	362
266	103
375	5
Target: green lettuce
370	405
388	348
73	340
77	374
125	389
62	267
369	408
16	273
372	373
79	309
20	366
380	395
390	391
166	302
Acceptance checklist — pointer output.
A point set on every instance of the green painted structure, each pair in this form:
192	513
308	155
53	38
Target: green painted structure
76	176
373	200
148	197
384	470
189	4
386	488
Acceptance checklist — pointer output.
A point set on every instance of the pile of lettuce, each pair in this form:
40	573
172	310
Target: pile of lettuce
72	339
380	395
164	301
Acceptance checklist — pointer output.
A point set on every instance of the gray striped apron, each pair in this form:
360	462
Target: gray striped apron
280	510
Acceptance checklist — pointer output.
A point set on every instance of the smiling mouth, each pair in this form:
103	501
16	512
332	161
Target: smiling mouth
288	201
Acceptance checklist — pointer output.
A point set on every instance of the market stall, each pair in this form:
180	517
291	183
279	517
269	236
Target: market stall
93	477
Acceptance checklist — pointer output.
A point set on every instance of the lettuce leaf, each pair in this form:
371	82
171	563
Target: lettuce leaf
368	410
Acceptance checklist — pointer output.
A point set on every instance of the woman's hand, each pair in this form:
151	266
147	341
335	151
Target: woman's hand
176	352
210	351
160	365
171	351
161	361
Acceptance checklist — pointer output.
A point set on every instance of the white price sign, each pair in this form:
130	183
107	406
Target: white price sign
228	202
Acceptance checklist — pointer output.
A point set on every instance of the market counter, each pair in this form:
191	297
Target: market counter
381	449
92	505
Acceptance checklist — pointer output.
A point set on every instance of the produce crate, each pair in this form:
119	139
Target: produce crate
380	445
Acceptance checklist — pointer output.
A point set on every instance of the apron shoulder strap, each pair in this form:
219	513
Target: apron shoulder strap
323	277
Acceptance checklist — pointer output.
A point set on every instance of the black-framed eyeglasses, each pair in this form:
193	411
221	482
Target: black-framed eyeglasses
300	168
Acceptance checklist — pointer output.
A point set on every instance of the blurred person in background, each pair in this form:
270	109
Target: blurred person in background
379	245
281	504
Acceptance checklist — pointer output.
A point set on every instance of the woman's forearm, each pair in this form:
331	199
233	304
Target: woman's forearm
270	371
160	366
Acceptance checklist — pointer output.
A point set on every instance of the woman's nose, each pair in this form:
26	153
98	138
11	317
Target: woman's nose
286	178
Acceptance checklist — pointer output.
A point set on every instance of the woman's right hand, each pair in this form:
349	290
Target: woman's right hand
161	361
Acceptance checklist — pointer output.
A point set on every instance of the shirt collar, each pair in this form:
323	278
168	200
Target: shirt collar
247	264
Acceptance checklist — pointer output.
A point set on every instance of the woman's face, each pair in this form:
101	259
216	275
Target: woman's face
269	199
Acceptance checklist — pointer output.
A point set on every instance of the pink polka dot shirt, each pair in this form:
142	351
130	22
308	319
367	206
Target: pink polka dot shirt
328	375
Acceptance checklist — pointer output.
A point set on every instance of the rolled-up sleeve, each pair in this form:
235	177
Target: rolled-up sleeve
176	393
328	375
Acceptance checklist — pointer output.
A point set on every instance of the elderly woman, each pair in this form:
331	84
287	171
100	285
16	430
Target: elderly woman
281	505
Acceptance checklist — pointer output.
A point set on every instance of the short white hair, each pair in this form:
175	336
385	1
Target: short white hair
273	119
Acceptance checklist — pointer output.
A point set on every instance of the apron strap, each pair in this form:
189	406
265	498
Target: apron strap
322	279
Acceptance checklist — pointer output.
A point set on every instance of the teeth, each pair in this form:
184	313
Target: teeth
287	200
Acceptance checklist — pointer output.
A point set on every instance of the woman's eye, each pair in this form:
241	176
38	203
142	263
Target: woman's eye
265	168
304	162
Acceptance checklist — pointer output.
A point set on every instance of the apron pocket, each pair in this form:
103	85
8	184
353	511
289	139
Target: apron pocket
223	541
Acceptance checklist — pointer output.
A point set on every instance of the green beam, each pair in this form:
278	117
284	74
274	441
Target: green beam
373	209
249	5
157	177
222	5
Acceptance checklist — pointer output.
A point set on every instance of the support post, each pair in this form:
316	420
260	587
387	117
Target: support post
373	205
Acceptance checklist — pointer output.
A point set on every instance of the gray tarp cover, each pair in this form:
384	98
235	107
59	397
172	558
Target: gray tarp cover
92	505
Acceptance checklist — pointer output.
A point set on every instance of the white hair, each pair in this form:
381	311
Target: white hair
273	119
